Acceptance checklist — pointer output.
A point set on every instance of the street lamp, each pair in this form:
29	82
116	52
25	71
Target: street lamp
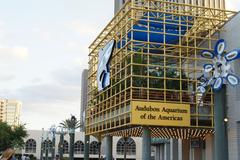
220	74
61	131
225	120
41	152
71	132
52	131
46	145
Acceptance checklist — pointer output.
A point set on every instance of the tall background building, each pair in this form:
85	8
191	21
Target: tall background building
83	97
10	111
219	4
2	110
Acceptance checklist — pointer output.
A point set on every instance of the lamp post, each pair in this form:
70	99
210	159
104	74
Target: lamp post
71	132
52	131
221	136
220	74
46	146
71	124
41	152
86	147
61	132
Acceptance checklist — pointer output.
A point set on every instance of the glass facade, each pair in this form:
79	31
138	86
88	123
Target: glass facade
156	59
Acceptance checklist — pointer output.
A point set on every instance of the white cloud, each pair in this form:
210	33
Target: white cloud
45	35
6	77
81	62
82	28
37	80
48	103
43	115
12	53
48	93
68	76
78	48
3	31
233	5
2	23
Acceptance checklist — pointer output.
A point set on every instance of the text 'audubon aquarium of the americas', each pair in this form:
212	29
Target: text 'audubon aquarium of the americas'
160	114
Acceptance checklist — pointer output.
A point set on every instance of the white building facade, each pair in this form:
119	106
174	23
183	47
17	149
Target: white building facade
162	149
33	146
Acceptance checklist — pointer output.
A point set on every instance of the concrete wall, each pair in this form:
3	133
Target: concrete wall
232	36
209	147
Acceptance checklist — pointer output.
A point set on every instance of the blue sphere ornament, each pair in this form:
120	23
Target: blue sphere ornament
220	68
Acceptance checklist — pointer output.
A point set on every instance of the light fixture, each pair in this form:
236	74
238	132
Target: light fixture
225	120
220	68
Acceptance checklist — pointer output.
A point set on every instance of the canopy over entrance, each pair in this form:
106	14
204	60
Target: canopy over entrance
165	132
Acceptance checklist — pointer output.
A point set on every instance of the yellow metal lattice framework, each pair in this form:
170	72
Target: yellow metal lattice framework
153	72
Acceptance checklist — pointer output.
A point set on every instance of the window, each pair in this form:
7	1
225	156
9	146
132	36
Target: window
65	147
47	144
130	146
79	147
30	146
94	147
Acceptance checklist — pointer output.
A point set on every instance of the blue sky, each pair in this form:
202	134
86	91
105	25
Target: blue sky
43	49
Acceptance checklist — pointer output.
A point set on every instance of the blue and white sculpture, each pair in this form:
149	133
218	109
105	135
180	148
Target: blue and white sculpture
220	69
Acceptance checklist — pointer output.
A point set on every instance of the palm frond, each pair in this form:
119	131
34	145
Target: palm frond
71	123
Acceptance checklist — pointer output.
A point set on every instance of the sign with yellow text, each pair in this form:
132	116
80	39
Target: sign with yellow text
160	114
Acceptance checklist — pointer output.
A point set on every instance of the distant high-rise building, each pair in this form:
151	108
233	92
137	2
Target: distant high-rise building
219	4
83	97
2	110
10	111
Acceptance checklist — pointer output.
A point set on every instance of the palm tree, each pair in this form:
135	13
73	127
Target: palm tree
71	124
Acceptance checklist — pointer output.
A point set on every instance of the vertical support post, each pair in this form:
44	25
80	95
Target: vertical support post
71	152
41	153
173	149
180	150
186	149
146	144
209	147
125	147
53	146
61	146
108	149
46	150
86	147
167	151
42	145
99	149
158	152
221	143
